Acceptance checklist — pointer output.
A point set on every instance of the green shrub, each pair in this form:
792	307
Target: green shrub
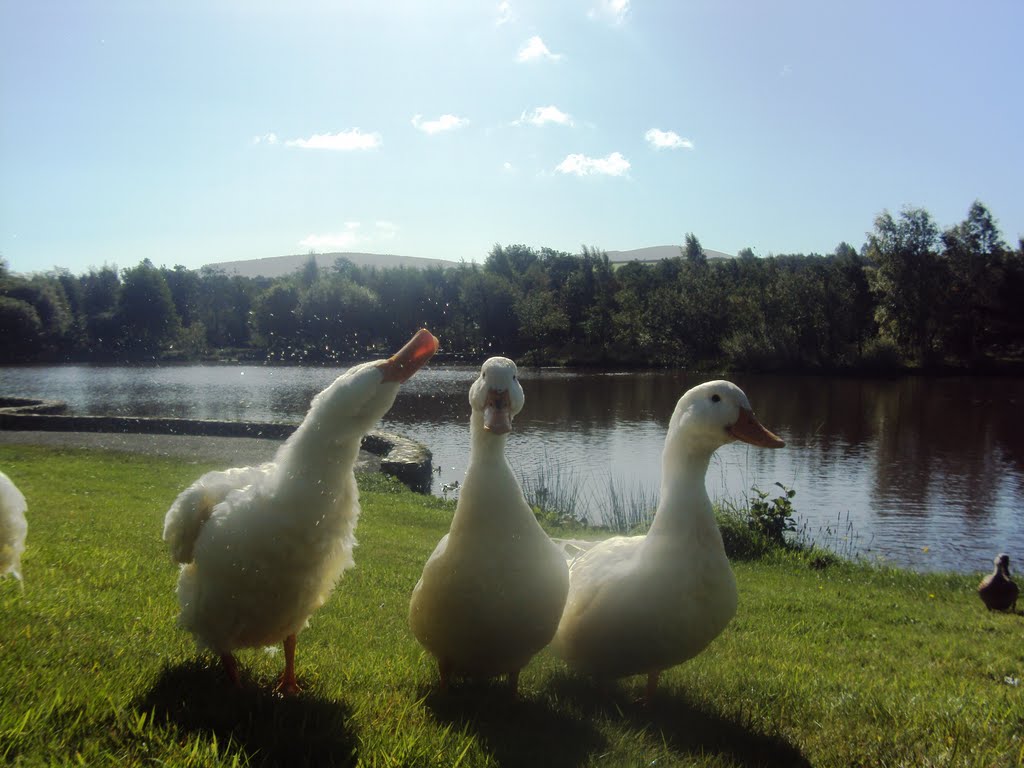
773	518
881	354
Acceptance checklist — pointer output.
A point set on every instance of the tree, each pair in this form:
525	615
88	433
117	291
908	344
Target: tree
850	308
489	301
337	318
100	292
20	330
597	321
184	285
510	261
224	305
630	329
46	296
403	298
543	322
309	273
974	251
906	279
1008	323
148	321
275	316
694	252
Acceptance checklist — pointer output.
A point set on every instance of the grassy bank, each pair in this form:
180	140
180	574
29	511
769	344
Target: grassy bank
847	665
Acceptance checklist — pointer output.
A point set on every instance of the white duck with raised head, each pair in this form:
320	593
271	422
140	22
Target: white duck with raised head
492	593
261	548
642	604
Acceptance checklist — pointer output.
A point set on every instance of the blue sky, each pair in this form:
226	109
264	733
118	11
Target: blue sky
194	132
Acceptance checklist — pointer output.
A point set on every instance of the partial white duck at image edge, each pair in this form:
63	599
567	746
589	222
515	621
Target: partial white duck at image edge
13	527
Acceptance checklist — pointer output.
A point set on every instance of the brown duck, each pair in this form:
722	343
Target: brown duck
997	590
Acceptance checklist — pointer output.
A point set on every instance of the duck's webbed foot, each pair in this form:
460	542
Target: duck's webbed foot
231	669
652	686
288	685
513	682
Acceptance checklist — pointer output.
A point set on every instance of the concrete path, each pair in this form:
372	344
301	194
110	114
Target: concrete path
225	452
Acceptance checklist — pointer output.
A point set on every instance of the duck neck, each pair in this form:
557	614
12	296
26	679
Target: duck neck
684	506
485	446
490	487
320	454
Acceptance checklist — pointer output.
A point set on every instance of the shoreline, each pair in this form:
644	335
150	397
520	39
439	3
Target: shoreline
233	443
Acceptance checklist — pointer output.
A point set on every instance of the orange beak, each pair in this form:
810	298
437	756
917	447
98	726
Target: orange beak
410	358
748	429
498	412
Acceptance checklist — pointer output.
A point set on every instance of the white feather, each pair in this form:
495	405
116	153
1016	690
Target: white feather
263	547
13	527
641	604
194	506
492	591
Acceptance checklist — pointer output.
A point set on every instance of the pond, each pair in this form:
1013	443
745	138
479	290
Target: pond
919	471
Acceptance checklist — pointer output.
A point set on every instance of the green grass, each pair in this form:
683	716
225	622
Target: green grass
850	665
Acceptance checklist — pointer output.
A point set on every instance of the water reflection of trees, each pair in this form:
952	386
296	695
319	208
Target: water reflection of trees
936	458
938	444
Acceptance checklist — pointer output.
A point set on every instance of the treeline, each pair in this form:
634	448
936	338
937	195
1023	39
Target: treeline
912	295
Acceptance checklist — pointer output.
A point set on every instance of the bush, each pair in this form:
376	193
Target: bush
881	354
773	518
741	541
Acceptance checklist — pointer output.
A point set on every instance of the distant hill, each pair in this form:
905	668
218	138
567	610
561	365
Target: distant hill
659	252
279	266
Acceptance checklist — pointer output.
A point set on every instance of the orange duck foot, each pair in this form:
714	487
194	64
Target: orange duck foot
287	685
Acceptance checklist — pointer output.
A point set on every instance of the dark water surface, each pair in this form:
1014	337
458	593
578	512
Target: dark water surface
923	472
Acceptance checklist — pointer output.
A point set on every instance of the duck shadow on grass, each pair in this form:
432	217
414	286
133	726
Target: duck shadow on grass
680	723
514	730
271	730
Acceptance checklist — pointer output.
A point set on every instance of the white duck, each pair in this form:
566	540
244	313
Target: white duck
492	592
262	547
13	527
642	604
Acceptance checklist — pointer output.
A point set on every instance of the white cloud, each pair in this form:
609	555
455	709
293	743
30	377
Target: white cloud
507	167
266	138
533	49
611	11
667	140
343	141
386	230
443	123
344	239
581	165
351	236
504	13
542	115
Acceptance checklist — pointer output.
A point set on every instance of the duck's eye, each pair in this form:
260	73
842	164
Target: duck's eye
716	398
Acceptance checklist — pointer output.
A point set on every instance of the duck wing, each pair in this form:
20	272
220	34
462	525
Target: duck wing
574	548
194	505
606	563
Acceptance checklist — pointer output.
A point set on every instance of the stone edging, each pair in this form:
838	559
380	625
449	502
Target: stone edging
23	405
405	459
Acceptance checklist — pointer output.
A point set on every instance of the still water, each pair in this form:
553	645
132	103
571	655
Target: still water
921	472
